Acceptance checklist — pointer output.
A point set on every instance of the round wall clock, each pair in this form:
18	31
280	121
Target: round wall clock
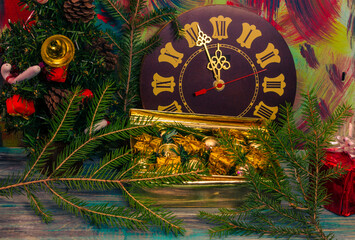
229	62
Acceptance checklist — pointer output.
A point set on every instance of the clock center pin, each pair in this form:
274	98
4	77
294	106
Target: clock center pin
219	85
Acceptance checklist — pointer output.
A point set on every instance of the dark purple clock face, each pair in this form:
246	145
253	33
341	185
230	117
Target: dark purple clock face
230	62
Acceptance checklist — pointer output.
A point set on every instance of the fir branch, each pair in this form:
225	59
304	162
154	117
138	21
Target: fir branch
240	210
7	191
115	10
130	56
274	206
22	184
300	181
161	219
244	228
301	187
216	219
288	154
100	105
82	146
182	129
78	207
38	207
112	160
128	170
159	178
156	17
107	180
147	46
114	42
136	5
56	128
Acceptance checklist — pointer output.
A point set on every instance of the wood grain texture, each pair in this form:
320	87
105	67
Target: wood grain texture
18	221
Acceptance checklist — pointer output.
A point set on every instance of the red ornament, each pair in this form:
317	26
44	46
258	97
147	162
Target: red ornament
57	74
17	106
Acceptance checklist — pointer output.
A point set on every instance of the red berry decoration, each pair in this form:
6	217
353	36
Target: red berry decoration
87	94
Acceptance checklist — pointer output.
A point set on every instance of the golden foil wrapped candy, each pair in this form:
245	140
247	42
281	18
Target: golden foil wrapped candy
238	135
169	155
189	143
164	161
57	51
220	162
147	143
257	159
195	164
169	150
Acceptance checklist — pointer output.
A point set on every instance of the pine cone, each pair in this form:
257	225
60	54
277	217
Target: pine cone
79	10
105	49
54	97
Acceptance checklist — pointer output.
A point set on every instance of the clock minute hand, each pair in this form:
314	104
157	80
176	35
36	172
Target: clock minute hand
202	40
220	62
203	91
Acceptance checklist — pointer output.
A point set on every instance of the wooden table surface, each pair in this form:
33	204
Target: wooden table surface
18	221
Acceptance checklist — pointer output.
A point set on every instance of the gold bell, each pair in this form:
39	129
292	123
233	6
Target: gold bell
57	51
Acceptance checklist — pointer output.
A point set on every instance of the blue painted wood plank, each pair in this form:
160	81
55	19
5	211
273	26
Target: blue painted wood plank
18	221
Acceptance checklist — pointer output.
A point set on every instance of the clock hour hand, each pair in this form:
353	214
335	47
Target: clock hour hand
202	40
221	85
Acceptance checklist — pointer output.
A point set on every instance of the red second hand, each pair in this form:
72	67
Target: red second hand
203	91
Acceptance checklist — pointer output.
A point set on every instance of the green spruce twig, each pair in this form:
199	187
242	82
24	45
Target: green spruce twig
286	199
117	169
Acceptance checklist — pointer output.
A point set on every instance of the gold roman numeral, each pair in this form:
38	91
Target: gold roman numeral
249	34
264	111
162	84
174	107
220	26
170	55
269	55
191	33
276	84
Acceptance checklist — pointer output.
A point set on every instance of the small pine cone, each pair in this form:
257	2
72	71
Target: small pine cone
110	61
55	97
79	10
105	49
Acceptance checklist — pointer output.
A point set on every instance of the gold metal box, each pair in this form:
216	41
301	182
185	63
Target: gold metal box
211	190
